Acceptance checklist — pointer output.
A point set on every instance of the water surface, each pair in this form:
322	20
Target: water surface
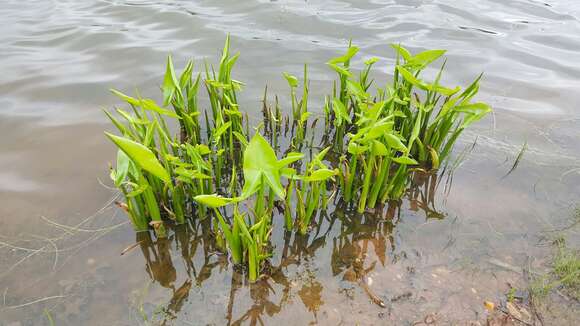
59	58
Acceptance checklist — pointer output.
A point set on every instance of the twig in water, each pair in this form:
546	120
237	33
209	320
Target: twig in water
36	301
518	159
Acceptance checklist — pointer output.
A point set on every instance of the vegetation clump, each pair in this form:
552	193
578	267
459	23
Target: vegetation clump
214	166
564	273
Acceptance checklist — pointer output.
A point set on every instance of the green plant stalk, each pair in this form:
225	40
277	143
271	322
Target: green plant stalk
323	192
384	166
367	182
350	179
135	213
300	211
178	200
314	199
233	238
259	206
252	249
287	208
152	207
304	101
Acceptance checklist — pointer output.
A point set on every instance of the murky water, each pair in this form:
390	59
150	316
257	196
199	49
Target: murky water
437	256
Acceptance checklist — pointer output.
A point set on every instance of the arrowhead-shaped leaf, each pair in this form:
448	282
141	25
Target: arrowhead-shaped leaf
141	155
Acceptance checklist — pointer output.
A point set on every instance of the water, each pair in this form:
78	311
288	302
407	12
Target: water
59	58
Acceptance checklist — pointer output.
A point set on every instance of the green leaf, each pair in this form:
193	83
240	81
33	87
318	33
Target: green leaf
170	83
409	77
321	175
191	174
377	130
261	164
202	149
289	173
138	189
214	200
379	148
186	74
292	80
289	159
371	61
445	91
395	142
350	52
423	59
241	138
217	133
122	168
150	105
356	89
126	98
141	156
473	108
341	70
404	53
355	148
340	112
304	116
405	160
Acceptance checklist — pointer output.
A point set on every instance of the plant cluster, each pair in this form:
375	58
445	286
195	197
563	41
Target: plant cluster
214	167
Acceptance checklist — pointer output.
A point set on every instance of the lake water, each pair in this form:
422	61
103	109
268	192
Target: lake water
59	58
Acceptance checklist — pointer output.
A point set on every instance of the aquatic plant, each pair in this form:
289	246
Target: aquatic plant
564	273
311	192
372	145
247	238
432	124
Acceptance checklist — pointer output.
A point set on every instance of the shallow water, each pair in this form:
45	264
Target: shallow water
59	58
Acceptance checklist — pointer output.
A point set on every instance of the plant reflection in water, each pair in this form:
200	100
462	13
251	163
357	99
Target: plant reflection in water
360	243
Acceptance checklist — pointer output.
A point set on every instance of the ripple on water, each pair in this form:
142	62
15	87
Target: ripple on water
58	58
